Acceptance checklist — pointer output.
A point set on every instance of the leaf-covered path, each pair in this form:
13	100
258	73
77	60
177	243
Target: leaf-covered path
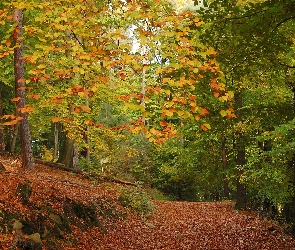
172	225
191	225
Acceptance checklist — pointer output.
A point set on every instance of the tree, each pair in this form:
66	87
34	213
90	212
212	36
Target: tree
22	109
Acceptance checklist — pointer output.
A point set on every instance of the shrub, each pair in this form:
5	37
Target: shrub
136	199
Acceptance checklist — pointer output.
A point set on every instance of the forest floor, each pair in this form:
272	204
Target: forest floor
53	209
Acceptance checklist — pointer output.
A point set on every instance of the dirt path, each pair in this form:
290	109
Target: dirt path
185	225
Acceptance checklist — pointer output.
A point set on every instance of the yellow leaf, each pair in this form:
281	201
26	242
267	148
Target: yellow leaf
159	71
81	94
169	113
231	94
205	126
193	104
169	104
180	112
223	113
81	71
196	70
41	66
187	114
94	89
167	91
197	118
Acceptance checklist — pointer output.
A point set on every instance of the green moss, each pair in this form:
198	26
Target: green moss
24	191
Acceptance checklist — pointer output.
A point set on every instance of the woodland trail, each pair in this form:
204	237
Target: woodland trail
171	226
191	225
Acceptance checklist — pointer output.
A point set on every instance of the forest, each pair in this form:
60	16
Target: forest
195	99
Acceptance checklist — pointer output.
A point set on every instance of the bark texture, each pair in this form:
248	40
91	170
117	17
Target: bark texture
25	137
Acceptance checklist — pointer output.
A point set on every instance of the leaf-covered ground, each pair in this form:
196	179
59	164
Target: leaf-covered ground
61	206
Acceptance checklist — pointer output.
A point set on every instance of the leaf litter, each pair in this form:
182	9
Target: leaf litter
172	225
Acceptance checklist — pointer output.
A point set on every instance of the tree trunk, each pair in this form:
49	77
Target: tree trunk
2	140
87	140
13	133
241	199
25	137
67	152
289	208
56	132
75	157
224	168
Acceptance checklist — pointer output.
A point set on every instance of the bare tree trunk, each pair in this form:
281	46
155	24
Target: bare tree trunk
75	157
56	133
67	153
224	168
13	137
25	137
241	189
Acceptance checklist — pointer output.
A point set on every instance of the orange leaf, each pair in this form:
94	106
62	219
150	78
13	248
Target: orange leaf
8	116
55	119
33	96
10	17
216	94
163	123
26	109
13	122
77	109
194	109
122	76
104	79
16	99
21	80
8	43
204	127
34	79
204	68
204	112
192	97
22	88
90	122
57	100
